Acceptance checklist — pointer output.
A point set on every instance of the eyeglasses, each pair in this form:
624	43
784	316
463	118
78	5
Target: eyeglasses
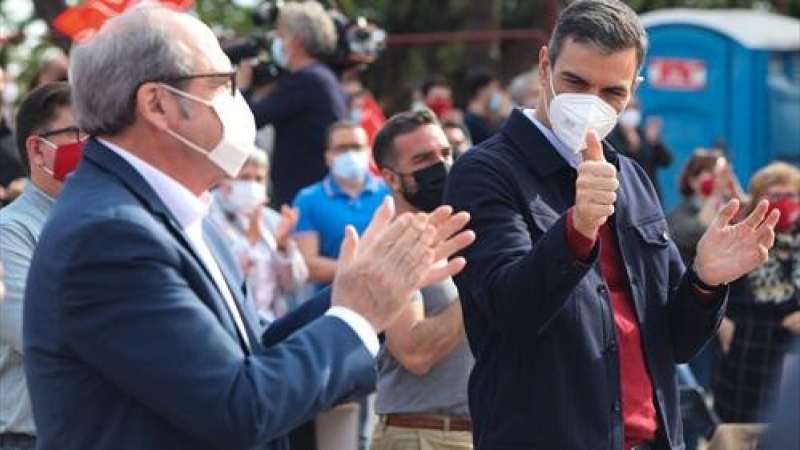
77	132
230	75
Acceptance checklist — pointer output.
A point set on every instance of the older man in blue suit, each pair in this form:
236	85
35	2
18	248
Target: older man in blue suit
138	332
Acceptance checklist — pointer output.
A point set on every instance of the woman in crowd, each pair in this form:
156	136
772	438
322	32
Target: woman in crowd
763	308
706	183
260	237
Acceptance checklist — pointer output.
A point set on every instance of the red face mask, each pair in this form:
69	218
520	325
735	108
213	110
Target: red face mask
66	160
440	107
789	208
706	185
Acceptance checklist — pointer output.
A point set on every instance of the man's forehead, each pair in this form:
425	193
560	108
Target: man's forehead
590	63
347	133
429	137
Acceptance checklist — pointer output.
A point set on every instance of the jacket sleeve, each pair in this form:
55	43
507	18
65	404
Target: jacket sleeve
163	347
692	319
519	276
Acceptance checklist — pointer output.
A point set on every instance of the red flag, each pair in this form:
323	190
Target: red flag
83	21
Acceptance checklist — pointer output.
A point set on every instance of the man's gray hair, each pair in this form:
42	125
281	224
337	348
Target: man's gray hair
520	86
312	25
105	72
608	25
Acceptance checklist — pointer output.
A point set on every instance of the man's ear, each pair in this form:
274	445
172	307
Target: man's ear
329	158
544	62
151	105
392	179
35	150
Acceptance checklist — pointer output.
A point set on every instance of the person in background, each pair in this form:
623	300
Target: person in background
53	68
304	102
425	361
436	93
349	195
763	315
260	237
706	182
458	138
50	146
488	106
641	143
12	171
576	303
524	89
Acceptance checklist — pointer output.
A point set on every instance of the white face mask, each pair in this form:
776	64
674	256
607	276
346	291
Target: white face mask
245	196
630	118
573	115
350	166
238	130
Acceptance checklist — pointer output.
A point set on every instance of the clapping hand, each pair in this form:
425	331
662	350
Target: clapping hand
378	272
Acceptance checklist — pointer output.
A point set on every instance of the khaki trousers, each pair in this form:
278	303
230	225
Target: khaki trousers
400	438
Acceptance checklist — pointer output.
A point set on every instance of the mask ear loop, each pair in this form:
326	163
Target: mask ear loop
553	91
53	147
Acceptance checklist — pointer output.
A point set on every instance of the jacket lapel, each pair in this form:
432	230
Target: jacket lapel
95	152
233	277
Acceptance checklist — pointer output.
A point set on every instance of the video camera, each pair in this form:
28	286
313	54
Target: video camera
358	42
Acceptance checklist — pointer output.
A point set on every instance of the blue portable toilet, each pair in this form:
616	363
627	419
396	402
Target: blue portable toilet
723	76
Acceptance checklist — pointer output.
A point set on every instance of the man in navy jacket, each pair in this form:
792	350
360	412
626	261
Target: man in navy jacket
138	332
576	303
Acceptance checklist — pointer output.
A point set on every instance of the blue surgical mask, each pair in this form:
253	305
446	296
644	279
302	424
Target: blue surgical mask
350	166
278	54
495	101
356	115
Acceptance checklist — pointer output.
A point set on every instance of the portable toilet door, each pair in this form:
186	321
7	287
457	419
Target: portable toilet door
729	77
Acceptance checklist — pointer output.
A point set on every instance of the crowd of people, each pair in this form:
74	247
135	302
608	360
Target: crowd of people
190	259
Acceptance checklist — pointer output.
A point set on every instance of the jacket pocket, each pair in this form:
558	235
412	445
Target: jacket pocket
654	233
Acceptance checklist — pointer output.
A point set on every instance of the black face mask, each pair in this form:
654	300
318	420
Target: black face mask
430	187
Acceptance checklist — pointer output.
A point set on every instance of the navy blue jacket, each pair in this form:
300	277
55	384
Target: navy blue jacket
302	107
128	344
540	323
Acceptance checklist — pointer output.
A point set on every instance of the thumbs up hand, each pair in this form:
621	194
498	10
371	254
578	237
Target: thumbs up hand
595	189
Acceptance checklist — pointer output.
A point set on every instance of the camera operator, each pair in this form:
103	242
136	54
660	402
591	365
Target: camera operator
305	101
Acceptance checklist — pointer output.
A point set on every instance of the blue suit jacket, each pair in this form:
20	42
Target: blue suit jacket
540	323
128	344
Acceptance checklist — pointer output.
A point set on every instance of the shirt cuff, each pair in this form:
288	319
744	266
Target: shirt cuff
360	326
579	245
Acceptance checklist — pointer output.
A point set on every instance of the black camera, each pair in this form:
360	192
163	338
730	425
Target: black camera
358	42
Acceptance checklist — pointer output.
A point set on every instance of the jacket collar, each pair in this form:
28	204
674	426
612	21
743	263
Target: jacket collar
526	137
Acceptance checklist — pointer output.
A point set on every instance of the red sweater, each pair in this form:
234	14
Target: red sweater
638	409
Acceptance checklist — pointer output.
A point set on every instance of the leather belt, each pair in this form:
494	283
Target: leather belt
425	422
12	439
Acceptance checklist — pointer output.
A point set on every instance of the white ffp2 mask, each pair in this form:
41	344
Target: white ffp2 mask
238	130
573	115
